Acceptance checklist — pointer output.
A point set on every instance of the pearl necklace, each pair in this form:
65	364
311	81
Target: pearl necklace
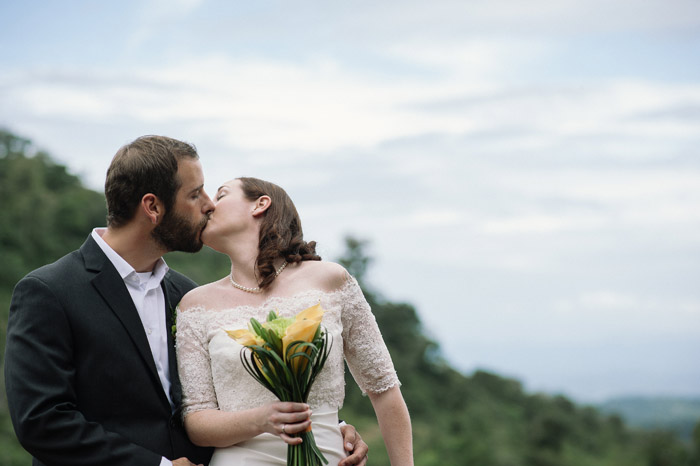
257	288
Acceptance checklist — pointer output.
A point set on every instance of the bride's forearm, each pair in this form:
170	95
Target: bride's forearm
214	428
395	424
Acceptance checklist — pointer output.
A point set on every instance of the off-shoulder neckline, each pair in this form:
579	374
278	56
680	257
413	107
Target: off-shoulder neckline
273	299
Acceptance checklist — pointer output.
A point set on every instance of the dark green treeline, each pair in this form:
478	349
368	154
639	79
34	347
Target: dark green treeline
481	419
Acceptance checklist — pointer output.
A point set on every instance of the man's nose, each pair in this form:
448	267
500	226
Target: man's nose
208	206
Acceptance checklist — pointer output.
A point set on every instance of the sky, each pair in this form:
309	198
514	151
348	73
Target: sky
527	174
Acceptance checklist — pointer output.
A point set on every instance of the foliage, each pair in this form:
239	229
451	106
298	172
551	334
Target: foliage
479	419
46	212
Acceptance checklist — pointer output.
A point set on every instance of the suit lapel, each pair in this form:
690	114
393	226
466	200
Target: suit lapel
175	388
111	287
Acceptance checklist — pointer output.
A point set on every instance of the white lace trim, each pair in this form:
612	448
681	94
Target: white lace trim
213	377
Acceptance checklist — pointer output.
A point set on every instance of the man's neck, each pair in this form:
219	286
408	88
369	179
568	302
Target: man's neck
135	246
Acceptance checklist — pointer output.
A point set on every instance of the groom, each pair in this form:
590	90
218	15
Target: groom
90	370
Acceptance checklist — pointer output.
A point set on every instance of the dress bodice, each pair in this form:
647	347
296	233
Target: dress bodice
213	376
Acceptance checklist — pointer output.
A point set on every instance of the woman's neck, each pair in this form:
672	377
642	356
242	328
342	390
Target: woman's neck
243	254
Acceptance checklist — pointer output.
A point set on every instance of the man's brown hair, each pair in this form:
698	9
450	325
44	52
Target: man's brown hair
147	165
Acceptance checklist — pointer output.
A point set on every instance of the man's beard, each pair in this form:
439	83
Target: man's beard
175	233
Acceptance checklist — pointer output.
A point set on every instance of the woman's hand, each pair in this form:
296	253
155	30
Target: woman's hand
285	419
215	428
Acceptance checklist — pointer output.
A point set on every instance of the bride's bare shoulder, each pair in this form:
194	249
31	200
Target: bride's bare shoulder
201	296
327	276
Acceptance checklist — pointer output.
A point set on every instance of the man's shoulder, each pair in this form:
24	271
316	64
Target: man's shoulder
60	268
180	281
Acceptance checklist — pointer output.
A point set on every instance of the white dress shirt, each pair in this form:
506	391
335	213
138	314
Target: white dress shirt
149	300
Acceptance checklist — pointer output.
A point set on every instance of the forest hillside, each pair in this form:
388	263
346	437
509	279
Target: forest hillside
458	419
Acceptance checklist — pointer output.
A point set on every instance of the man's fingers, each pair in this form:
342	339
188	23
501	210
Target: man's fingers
349	437
183	462
354	460
359	454
357	457
356	447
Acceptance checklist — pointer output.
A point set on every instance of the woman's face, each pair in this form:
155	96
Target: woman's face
233	213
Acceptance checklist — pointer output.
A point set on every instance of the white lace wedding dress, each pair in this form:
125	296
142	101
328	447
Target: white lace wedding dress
213	377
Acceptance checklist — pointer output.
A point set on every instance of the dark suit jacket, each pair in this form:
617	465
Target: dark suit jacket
80	378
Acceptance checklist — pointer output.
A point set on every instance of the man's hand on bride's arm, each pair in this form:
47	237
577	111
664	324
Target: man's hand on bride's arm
183	462
356	447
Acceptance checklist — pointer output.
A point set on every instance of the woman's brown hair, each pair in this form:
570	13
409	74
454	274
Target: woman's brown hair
280	232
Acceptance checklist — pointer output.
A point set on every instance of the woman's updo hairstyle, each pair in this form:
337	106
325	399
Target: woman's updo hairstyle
280	231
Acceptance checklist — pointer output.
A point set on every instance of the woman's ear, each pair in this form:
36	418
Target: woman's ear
261	205
152	208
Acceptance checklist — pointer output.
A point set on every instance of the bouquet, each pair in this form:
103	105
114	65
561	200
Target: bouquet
285	356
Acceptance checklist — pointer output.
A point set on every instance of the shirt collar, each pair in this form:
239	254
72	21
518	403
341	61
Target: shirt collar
124	269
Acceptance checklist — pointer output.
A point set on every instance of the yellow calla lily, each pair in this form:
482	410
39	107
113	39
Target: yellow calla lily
302	329
245	337
314	312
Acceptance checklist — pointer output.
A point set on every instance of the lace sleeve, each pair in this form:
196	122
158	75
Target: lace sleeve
193	362
366	353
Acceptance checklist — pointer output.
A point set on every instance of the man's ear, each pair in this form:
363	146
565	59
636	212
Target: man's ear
261	205
152	208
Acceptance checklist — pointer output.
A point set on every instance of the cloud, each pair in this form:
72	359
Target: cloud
323	106
473	62
572	16
543	223
682	112
152	16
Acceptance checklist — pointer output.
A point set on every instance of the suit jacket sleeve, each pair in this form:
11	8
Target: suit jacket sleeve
40	385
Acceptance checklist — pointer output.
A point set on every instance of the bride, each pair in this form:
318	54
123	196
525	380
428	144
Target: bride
256	224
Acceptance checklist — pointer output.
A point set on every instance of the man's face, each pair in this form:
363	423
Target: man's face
181	227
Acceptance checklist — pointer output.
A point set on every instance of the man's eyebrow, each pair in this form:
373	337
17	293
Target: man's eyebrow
198	188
